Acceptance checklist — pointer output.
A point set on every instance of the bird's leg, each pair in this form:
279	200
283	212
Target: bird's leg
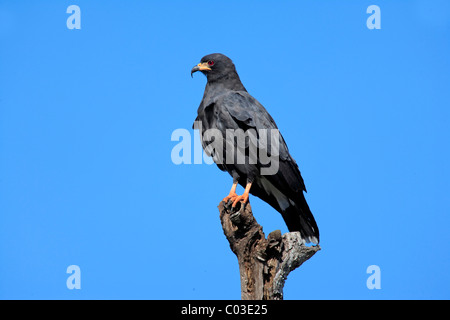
232	193
244	197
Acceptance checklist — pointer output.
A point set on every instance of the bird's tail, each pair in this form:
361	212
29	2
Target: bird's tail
298	217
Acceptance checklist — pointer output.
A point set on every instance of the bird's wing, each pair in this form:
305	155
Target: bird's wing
284	189
251	114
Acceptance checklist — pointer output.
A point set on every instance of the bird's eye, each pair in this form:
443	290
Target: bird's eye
210	63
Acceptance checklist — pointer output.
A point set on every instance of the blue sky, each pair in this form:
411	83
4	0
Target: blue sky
86	117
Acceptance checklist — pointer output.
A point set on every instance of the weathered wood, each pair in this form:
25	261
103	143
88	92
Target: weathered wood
264	263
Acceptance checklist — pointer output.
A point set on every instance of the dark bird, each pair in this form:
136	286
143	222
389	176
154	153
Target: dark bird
226	105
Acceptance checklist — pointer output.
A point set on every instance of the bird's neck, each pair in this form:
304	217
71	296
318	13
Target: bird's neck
229	81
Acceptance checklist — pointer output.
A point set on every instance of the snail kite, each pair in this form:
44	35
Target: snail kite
226	105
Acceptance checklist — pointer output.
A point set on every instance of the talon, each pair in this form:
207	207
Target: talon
231	197
243	199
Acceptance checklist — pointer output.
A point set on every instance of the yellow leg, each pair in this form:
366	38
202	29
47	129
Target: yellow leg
244	197
232	193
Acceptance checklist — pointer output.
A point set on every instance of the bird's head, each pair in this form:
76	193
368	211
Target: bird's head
215	66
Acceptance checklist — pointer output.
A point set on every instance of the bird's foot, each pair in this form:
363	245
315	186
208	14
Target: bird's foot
231	197
243	200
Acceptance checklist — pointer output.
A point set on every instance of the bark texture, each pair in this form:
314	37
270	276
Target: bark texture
264	263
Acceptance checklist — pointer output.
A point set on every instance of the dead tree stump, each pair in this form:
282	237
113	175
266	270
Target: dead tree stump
264	264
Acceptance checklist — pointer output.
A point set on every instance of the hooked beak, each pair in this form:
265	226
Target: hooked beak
200	67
